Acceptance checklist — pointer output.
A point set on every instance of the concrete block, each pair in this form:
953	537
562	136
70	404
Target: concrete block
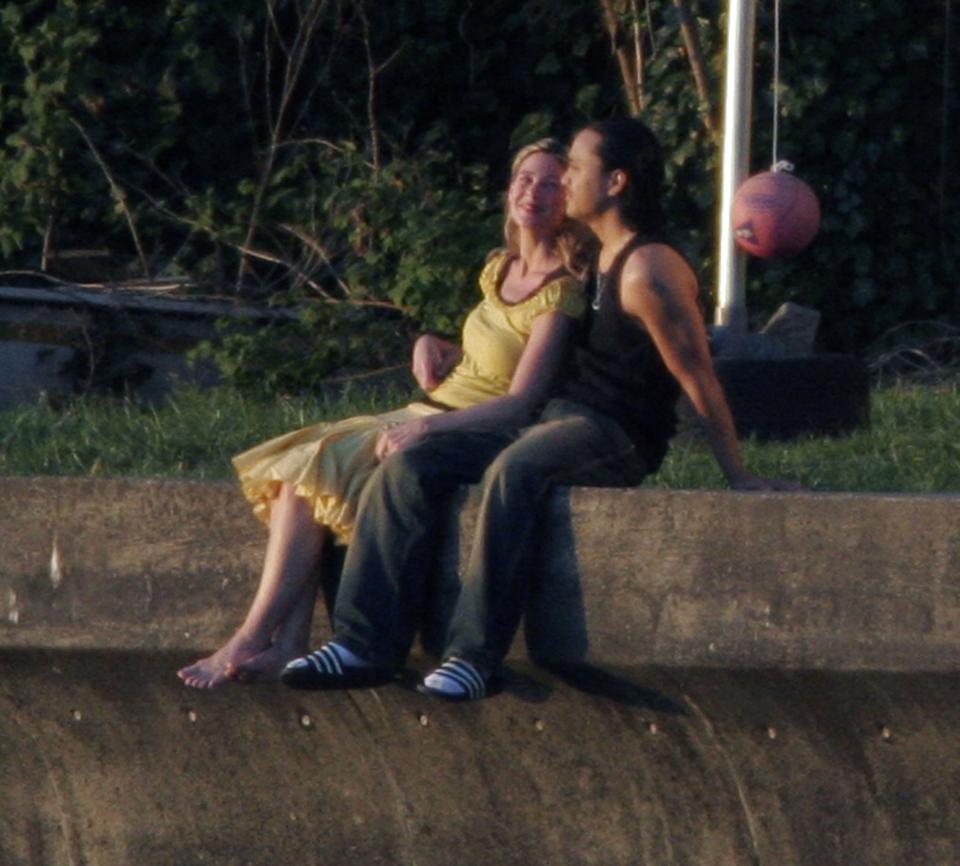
625	577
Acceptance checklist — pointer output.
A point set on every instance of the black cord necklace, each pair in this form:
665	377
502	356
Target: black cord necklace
602	278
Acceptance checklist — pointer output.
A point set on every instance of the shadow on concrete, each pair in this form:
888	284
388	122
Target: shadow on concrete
555	618
613	687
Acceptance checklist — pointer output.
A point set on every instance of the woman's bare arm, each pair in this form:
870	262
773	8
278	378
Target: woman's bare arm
536	370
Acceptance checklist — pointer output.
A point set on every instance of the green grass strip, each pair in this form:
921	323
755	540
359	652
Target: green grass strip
910	446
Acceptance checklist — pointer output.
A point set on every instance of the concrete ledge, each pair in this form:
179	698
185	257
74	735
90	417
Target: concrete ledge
108	760
683	735
628	577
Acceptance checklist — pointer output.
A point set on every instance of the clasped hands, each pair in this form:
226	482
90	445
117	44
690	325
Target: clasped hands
433	359
400	436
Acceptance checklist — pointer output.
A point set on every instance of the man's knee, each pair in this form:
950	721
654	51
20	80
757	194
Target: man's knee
513	468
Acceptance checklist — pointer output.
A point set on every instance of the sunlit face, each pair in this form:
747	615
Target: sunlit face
535	197
585	180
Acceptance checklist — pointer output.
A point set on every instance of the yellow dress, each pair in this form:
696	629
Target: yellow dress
329	463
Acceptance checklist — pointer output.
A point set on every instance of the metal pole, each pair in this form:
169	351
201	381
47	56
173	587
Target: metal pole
731	312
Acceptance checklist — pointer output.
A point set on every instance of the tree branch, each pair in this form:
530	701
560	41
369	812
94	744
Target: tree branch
118	195
373	71
313	244
691	39
296	56
639	61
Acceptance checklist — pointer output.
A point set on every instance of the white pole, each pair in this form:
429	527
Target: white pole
731	311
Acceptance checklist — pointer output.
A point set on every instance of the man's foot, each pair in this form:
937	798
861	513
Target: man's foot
214	670
333	667
455	680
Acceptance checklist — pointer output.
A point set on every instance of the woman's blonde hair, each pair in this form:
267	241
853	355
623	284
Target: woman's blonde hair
574	242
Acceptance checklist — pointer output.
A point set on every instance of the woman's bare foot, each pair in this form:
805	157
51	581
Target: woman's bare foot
264	665
214	670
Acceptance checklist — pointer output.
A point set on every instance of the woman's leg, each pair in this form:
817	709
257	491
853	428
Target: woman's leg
379	601
292	639
284	600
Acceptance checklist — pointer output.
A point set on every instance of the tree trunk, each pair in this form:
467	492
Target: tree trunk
613	12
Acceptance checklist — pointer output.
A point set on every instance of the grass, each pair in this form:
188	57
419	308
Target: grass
193	435
911	445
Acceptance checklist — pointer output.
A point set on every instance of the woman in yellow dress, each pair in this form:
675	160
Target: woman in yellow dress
306	484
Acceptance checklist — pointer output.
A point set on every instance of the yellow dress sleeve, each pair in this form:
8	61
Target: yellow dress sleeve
563	295
496	333
490	275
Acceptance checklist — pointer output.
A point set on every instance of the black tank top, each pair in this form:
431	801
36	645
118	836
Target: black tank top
617	370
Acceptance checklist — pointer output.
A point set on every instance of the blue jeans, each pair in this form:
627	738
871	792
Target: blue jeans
402	511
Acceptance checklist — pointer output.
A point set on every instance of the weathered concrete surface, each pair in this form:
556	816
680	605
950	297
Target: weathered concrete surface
107	761
70	338
632	577
769	680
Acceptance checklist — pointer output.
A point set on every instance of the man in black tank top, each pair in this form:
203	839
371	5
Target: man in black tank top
609	425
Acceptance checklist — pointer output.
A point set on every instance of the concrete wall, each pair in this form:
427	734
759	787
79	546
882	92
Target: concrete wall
837	581
68	340
767	680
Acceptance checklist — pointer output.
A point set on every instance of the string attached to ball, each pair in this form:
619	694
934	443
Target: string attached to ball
775	214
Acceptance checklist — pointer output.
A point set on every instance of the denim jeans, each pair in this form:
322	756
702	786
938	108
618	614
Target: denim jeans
402	510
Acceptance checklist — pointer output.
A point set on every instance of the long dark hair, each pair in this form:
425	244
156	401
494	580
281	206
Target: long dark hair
628	145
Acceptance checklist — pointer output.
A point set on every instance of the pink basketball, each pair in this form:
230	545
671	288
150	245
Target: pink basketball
775	214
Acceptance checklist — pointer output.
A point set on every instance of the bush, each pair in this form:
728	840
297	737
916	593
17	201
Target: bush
316	149
401	251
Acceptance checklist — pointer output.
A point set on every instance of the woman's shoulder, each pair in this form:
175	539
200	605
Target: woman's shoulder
560	293
563	293
493	270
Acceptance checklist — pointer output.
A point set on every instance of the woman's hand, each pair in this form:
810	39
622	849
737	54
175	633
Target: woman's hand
400	437
433	359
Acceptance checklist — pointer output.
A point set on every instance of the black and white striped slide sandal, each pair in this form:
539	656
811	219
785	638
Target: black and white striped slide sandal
328	668
455	680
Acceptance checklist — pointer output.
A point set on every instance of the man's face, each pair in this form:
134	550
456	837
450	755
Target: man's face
585	179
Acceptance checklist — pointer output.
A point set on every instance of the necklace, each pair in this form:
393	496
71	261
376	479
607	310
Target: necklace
603	278
601	285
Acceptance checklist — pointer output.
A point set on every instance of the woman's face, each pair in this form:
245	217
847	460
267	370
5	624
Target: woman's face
535	198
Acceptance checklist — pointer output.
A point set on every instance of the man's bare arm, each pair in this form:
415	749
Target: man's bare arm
660	289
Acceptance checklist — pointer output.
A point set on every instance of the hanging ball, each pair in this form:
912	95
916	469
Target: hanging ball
775	214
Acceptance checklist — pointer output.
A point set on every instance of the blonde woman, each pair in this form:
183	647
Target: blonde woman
306	485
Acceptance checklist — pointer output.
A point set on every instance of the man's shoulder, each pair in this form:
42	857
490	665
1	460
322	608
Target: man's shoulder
660	265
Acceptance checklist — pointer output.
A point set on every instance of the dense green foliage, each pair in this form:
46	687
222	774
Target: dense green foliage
349	155
871	111
869	108
911	444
